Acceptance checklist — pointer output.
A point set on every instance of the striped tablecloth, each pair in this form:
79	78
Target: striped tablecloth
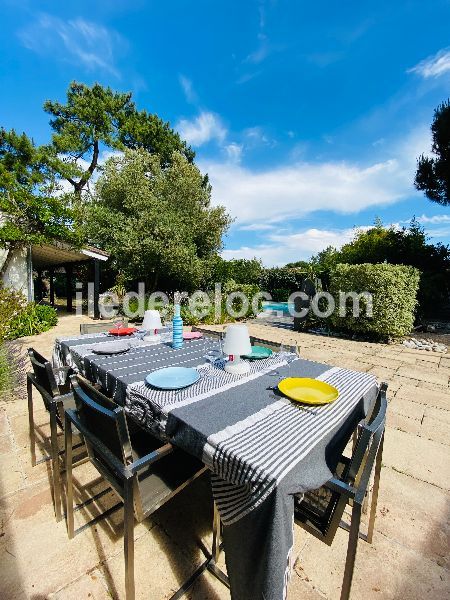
261	448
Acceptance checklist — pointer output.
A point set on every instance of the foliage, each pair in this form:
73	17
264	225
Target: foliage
32	213
241	270
12	305
393	288
408	246
280	294
433	174
12	369
95	117
281	278
156	223
47	315
19	318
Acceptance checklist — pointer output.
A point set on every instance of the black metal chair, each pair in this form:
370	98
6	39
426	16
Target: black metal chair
57	398
320	512
144	473
101	327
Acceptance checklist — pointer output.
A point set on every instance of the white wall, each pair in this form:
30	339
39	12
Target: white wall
16	275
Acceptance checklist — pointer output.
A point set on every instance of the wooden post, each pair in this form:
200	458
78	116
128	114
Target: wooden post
39	285
96	288
51	274
69	290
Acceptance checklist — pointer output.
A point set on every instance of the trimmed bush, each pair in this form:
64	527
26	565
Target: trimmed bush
394	292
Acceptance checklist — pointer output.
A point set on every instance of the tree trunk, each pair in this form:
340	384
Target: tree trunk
8	259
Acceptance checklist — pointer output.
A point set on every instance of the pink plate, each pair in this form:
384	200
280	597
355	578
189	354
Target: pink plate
192	335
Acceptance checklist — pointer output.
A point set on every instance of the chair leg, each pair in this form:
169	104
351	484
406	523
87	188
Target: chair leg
128	525
216	534
55	464
351	552
32	433
376	487
69	480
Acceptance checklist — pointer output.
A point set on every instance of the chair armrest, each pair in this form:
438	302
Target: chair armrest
336	485
151	458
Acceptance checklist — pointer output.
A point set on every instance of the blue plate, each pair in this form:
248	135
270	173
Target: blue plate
172	378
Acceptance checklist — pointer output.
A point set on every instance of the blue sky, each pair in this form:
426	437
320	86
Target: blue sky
308	117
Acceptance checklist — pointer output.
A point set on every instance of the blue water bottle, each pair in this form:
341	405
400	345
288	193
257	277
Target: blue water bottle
177	336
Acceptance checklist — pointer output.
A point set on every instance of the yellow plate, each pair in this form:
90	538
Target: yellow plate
309	391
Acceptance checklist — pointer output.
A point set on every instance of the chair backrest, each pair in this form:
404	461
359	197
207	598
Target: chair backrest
104	428
44	375
101	327
369	438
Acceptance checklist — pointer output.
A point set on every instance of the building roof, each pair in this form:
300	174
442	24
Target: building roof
60	253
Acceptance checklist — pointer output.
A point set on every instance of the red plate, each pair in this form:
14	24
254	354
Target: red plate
122	331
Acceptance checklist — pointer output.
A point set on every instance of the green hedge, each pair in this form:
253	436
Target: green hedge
394	292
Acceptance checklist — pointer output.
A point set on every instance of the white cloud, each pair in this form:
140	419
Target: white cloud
433	66
204	128
281	249
188	89
434	219
234	152
296	189
77	40
257	227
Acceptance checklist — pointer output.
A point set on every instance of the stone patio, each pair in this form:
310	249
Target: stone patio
408	560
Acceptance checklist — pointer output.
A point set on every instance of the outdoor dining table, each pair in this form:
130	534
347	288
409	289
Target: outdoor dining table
261	448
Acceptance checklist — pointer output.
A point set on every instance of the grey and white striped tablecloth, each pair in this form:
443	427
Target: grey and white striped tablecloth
261	448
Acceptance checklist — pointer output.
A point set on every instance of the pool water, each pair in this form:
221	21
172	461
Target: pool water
278	306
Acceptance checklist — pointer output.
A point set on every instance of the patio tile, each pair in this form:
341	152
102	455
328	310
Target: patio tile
407	408
436	398
45	559
11	477
423	374
438	413
410	512
418	457
90	586
161	567
434	429
403	423
4	425
383	570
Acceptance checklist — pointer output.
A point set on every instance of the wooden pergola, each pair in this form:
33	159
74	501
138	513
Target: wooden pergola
53	256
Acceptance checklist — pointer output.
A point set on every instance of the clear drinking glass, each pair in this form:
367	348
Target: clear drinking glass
118	323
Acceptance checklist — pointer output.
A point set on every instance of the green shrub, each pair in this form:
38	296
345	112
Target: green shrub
12	305
394	292
47	315
19	318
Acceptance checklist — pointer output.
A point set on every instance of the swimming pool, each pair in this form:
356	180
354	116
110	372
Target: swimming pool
282	307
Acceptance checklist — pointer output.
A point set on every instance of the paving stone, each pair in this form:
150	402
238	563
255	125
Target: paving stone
423	374
4	425
11	478
411	512
437	430
438	413
407	408
421	458
45	559
436	398
403	423
384	570
90	586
